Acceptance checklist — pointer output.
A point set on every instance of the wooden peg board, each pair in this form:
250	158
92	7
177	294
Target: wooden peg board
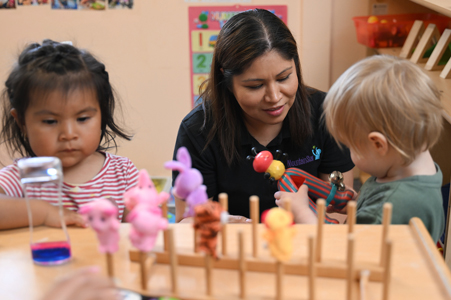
415	270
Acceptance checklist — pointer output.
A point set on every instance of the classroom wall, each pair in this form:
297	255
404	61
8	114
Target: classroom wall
146	51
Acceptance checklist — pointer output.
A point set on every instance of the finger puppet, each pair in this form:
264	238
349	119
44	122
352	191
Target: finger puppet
289	180
279	233
207	221
188	184
146	223
101	215
145	192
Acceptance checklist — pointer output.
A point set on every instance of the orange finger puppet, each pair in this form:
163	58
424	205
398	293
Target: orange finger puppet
280	232
207	221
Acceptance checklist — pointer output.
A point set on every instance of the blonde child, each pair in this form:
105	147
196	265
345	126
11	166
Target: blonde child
58	101
388	113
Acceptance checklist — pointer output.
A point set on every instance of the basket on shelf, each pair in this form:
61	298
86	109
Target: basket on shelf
391	30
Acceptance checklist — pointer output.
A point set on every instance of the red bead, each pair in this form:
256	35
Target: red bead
262	161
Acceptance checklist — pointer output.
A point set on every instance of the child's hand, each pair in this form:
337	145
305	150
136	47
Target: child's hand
344	210
83	284
299	200
299	205
70	217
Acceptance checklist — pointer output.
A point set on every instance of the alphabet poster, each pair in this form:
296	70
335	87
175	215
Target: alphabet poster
204	25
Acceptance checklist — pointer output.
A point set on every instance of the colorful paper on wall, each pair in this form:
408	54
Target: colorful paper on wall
120	4
7	4
205	22
64	4
32	2
92	4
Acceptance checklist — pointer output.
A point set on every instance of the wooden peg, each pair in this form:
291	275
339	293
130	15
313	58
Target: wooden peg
254	202
430	34
173	260
109	264
311	267
242	271
351	267
279	281
208	273
351	216
321	210
364	278
386	221
143	270
224	200
195	238
164	214
412	39
439	50
387	270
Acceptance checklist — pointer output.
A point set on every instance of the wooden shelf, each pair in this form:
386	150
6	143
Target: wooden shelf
440	6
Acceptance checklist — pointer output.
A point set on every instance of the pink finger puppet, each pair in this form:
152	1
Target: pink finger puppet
188	184
146	223
101	215
145	192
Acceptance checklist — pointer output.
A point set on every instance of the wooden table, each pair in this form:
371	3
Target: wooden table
417	272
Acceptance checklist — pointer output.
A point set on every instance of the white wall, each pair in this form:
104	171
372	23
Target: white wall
146	53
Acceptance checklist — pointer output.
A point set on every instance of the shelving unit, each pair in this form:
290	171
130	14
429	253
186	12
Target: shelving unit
440	6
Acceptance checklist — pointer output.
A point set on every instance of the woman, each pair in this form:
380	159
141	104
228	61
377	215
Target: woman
255	97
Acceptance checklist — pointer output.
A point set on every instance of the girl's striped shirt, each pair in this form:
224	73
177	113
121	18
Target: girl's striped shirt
117	176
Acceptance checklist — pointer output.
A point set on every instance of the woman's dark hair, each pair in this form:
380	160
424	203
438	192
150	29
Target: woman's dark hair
245	37
52	66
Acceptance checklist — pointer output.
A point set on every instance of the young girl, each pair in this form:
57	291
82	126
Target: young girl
59	102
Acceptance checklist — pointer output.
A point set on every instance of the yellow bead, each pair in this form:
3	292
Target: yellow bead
276	169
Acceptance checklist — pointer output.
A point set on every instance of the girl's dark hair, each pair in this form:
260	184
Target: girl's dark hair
245	37
53	66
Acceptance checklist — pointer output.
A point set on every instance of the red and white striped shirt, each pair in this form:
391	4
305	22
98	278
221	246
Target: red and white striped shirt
117	175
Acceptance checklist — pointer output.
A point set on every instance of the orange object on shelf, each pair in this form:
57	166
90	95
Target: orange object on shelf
392	30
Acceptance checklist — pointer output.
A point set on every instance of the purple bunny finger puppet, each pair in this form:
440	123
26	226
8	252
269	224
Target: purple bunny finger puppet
101	215
198	196
146	223
188	184
144	192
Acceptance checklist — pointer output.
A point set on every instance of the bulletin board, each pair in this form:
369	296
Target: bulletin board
204	25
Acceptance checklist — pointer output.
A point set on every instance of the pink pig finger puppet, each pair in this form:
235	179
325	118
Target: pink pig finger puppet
188	184
145	222
101	215
144	192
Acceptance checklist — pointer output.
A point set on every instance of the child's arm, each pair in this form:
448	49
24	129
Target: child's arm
83	284
299	205
13	213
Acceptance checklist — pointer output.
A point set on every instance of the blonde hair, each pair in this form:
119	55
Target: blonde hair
388	95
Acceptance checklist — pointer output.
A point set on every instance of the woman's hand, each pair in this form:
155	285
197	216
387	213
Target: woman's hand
238	219
299	205
232	219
